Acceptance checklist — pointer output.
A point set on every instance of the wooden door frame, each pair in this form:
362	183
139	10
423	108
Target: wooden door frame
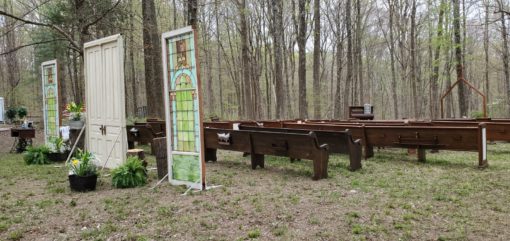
120	46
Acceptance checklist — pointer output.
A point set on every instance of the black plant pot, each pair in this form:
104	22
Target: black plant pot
58	157
83	184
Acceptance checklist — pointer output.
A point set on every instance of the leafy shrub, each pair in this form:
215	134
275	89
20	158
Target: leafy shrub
22	112
11	113
131	174
81	164
57	145
37	155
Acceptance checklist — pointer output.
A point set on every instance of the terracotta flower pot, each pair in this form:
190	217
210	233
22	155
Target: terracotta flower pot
83	183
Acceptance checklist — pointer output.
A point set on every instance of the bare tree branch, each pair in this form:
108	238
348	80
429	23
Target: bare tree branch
67	36
87	26
31	44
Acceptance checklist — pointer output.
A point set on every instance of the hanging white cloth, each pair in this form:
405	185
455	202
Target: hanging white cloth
64	132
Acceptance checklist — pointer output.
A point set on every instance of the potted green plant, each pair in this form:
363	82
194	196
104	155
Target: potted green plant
11	114
22	112
58	149
130	174
75	112
36	155
82	172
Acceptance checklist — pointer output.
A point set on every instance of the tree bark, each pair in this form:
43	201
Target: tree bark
505	57
486	52
414	70
249	110
152	62
301	41
277	9
458	57
316	59
392	59
435	63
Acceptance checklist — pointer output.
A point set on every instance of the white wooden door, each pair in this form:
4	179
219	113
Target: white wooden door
106	122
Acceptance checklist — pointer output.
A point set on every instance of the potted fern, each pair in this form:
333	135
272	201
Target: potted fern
130	174
58	149
82	173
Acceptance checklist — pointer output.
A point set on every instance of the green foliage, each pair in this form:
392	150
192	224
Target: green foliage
75	111
477	114
81	164
22	112
37	155
131	174
11	113
254	234
57	145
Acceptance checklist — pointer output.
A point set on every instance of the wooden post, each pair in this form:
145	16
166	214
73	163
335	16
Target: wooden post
482	145
159	147
421	155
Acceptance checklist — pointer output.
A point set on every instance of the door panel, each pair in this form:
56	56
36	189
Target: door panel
106	125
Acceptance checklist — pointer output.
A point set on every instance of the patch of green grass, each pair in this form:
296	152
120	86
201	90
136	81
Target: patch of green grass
357	229
15	235
279	231
253	234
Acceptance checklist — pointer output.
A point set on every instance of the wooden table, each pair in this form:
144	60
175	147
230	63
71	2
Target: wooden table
23	138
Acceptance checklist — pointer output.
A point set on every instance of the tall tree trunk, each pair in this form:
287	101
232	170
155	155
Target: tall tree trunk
192	13
218	39
131	58
359	55
486	52
435	63
458	57
152	62
301	41
414	70
277	9
392	59
316	59
505	54
245	56
13	71
337	111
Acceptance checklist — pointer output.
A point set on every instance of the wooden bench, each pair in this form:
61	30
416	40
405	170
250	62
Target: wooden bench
260	143
473	138
340	142
142	134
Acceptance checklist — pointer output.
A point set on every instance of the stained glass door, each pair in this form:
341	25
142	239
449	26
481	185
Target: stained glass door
51	107
182	88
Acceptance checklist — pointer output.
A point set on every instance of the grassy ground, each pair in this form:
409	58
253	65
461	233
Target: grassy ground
392	198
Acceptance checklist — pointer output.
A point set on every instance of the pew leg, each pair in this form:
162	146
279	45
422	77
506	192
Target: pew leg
320	168
210	155
369	151
354	159
421	155
292	159
257	160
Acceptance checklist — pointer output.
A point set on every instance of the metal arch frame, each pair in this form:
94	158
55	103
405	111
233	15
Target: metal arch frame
484	98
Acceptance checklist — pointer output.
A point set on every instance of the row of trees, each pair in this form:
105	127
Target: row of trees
266	59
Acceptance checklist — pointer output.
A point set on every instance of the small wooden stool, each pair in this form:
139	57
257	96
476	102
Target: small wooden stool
140	153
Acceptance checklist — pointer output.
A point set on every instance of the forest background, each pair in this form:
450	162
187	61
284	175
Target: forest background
274	59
